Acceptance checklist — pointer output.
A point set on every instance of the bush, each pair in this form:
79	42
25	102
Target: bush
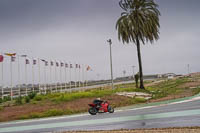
1	101
27	99
18	100
38	98
7	98
32	95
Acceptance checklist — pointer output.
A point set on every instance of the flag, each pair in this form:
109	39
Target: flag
1	58
57	64
88	68
34	62
23	55
10	54
71	66
27	61
61	64
76	65
51	63
13	59
46	63
43	60
66	65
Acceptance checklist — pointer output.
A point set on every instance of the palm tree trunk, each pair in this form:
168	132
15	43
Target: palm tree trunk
140	64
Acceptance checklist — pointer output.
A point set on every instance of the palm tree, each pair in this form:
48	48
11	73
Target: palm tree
139	23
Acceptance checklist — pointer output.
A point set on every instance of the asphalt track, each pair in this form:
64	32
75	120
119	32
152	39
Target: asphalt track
175	113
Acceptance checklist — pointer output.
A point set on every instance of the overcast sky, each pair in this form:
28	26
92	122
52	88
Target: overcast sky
77	30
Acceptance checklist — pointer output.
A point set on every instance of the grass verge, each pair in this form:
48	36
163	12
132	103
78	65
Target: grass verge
56	104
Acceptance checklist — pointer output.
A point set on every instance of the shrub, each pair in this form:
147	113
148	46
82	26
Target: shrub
18	100
32	95
7	98
27	99
38	98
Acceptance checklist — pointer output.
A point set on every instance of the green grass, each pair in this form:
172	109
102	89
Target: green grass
162	89
94	93
167	87
159	90
49	113
1	108
196	90
138	100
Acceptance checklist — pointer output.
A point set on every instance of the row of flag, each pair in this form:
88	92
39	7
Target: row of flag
34	61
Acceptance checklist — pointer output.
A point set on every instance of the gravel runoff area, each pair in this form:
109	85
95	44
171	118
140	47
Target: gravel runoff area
162	130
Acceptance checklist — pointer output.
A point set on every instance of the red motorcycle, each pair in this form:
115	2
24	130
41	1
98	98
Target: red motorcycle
95	108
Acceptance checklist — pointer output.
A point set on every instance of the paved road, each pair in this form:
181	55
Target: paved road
179	114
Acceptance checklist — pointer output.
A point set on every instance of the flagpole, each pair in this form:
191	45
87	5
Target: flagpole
46	77
60	78
33	74
39	75
56	77
83	75
65	77
70	78
86	78
79	76
11	79
45	87
26	77
19	76
2	91
50	77
75	76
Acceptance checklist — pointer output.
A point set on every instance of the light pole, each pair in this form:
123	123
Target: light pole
188	68
110	42
133	71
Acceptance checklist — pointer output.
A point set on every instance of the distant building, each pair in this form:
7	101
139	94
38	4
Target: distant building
167	75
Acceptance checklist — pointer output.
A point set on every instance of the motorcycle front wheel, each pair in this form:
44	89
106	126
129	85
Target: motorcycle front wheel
92	111
110	109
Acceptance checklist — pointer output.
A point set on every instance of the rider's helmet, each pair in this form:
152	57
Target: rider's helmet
98	98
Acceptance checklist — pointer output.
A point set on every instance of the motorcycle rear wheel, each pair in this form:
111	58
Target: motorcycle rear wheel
110	109
92	111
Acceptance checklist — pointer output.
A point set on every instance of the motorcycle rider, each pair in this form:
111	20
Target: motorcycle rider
98	102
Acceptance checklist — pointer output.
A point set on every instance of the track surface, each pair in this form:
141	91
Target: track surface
171	115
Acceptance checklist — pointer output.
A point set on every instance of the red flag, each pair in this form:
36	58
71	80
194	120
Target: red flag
27	61
1	58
